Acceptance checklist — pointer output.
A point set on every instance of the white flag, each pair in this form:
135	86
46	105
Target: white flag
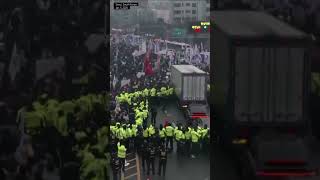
144	46
125	82
114	82
150	45
196	49
15	63
207	59
166	45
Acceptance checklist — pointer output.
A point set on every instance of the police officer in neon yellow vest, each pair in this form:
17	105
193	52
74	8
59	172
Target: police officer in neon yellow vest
146	92
145	133
162	134
129	136
195	136
153	92
61	123
113	129
169	134
52	112
162	91
122	153
139	121
163	96
117	130
134	131
178	136
182	140
187	140
40	104
121	133
151	130
170	91
205	139
33	121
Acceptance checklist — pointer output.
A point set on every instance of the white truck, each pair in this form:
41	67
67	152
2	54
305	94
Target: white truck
190	84
261	81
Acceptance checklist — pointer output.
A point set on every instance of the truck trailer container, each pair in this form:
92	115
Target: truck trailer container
190	84
261	76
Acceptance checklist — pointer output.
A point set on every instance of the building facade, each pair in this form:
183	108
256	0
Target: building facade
184	10
171	11
133	16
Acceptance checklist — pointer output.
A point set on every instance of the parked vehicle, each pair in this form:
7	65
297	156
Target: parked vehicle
190	84
261	75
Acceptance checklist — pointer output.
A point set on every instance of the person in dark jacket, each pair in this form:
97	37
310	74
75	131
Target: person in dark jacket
162	160
156	139
115	165
144	154
151	158
153	115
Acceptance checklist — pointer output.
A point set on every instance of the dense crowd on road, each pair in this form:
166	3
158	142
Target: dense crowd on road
53	125
134	113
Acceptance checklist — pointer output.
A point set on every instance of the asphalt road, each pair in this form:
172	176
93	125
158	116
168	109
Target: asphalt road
222	166
182	168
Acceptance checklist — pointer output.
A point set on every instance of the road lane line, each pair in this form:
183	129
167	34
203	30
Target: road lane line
138	167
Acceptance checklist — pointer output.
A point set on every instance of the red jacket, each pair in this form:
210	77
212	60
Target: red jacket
166	123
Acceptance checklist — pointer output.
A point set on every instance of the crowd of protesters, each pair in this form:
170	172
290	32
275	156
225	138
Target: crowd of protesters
39	30
138	85
59	28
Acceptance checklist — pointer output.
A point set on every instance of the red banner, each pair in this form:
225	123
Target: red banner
147	64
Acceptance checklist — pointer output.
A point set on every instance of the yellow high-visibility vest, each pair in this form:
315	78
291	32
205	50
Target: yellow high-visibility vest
169	131
194	136
121	151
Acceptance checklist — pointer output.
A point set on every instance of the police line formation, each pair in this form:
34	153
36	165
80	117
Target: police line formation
91	141
149	141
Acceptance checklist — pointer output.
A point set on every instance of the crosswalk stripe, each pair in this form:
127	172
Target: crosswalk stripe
137	173
131	160
130	176
131	167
